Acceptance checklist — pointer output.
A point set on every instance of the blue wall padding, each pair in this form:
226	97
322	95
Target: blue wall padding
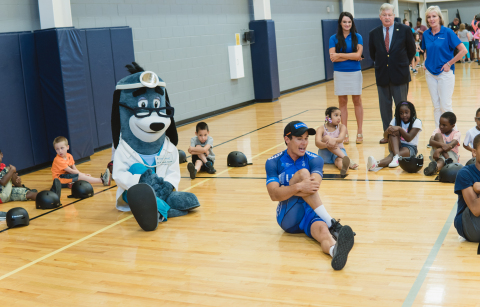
122	50
264	60
363	25
33	97
16	143
59	82
62	76
103	80
91	107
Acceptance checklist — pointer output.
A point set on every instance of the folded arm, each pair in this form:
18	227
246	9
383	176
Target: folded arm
471	198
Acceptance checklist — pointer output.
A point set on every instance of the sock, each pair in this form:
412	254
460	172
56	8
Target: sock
331	250
323	214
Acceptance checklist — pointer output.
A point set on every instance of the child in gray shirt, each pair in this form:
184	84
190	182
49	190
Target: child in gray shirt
201	150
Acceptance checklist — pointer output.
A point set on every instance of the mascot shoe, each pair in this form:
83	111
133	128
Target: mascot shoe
143	203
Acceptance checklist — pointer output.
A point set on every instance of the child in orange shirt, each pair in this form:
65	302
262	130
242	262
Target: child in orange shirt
63	167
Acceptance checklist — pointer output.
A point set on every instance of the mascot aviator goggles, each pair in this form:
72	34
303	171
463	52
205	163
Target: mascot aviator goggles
147	79
145	112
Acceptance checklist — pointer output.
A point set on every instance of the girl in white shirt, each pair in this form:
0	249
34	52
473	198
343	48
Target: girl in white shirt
402	135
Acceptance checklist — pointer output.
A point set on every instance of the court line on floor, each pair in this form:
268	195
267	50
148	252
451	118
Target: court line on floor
331	179
422	275
111	225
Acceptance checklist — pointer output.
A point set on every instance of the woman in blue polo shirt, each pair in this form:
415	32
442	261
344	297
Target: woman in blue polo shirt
346	48
439	44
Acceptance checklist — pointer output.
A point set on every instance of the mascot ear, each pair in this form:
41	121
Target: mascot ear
116	126
172	129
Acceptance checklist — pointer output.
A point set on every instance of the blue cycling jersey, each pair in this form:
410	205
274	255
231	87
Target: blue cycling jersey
281	167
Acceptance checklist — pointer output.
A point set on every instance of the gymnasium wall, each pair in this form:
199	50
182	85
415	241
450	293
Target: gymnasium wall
367	8
299	41
185	42
19	15
467	9
413	7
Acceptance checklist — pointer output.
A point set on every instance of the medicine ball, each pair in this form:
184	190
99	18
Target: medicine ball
477	17
236	159
411	164
182	157
449	173
17	217
47	200
471	161
81	189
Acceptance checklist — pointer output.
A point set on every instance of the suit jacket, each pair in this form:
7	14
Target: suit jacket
392	66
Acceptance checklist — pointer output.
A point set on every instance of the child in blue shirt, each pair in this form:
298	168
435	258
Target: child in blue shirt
467	187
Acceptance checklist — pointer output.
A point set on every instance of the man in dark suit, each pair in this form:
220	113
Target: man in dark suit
392	48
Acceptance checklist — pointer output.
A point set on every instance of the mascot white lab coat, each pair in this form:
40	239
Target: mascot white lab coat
167	167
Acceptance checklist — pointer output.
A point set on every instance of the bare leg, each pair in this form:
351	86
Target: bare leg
89	178
321	233
394	146
31	195
385	161
198	165
313	199
439	151
203	158
357	104
342	105
14	181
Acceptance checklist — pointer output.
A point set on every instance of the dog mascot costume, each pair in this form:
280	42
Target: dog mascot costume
146	167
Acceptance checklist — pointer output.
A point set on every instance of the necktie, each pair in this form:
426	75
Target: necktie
387	40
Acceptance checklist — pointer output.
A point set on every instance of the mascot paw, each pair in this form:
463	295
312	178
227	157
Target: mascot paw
142	202
176	213
183	201
161	187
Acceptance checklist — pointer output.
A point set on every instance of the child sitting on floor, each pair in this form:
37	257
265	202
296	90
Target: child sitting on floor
467	187
63	167
445	142
472	133
201	150
12	189
402	135
329	140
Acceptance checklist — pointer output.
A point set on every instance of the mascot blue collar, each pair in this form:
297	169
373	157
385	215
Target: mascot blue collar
141	100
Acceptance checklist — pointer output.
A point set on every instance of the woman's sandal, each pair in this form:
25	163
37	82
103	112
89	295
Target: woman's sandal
346	140
359	138
353	166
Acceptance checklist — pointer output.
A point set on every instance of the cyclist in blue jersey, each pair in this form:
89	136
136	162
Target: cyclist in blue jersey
293	179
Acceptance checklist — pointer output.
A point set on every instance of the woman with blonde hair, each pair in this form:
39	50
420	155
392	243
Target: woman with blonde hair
439	44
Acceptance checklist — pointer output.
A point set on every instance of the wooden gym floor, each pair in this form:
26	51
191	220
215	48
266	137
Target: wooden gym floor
231	252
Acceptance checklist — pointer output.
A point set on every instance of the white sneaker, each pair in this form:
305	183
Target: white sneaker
371	163
394	162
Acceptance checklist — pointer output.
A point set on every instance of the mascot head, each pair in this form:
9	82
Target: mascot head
141	112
